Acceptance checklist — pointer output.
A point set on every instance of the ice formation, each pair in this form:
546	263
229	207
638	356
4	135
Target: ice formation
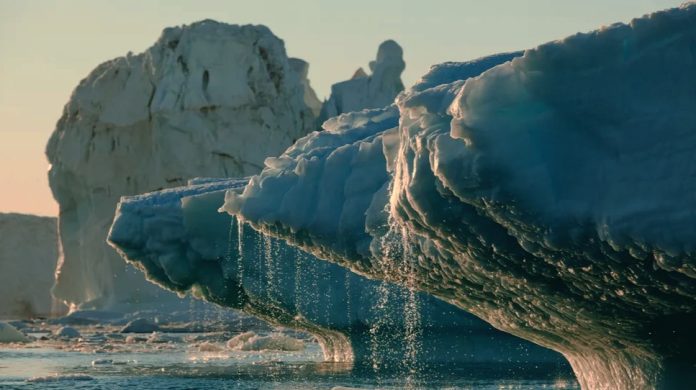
551	196
374	91
9	334
250	341
182	242
301	69
206	99
28	256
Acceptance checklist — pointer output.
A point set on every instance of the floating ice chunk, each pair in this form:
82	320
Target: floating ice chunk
237	341
140	325
60	378
207	346
10	334
66	332
250	341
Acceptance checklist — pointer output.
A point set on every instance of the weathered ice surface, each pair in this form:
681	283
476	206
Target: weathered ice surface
206	99
28	256
551	196
301	68
183	243
374	91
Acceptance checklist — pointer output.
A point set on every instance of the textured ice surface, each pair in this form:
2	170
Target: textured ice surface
28	256
207	99
551	196
364	91
183	243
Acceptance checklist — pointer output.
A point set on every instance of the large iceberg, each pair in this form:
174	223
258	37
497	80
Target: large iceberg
28	256
207	99
182	242
551	195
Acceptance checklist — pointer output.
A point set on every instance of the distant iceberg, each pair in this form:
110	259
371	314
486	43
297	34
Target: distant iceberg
551	195
207	99
28	257
363	91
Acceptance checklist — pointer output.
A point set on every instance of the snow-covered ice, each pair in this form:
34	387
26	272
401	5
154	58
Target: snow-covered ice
551	196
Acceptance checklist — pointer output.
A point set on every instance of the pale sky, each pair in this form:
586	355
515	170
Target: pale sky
47	47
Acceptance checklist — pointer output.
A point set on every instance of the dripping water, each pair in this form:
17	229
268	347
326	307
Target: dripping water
412	313
240	257
269	261
240	251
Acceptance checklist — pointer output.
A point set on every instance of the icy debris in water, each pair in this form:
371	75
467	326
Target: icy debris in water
60	377
10	334
66	332
209	347
134	339
140	325
237	341
158	337
250	341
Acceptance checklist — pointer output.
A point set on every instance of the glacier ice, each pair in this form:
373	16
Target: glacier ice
206	99
550	195
182	242
364	91
28	256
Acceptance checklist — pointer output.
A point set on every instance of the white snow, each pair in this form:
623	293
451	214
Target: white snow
206	99
550	195
28	256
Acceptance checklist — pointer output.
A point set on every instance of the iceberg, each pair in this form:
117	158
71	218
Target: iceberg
183	243
365	91
207	99
28	256
550	195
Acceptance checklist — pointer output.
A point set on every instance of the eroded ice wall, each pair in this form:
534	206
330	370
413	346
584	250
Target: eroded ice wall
206	99
551	196
28	256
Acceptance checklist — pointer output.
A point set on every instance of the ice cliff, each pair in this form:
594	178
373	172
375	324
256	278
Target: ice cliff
28	256
207	99
551	195
182	242
364	91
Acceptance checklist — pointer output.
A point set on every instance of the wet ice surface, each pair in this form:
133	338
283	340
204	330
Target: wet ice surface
103	359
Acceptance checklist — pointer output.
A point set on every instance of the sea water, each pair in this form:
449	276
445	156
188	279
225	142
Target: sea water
104	359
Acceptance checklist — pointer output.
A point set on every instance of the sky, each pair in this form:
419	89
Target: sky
47	47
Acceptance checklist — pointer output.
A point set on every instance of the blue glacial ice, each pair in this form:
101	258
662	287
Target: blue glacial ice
551	195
